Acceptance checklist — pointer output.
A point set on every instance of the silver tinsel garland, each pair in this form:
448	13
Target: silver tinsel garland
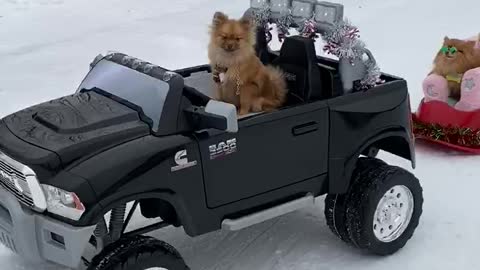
262	19
373	76
342	40
283	25
308	28
262	16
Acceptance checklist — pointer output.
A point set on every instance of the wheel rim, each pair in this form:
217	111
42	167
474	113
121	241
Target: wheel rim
393	214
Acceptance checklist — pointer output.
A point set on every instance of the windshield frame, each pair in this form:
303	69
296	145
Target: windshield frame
167	120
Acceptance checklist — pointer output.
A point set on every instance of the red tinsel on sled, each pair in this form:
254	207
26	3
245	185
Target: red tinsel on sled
440	123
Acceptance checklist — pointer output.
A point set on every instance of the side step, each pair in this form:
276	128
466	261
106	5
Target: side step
258	217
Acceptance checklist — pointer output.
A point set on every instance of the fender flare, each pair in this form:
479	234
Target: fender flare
341	169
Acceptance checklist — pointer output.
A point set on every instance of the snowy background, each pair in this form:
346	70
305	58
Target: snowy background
46	46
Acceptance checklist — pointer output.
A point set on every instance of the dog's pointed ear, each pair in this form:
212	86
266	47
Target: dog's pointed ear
219	18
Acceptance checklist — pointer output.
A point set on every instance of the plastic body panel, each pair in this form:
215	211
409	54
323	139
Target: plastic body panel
77	125
269	154
44	162
359	120
30	234
142	168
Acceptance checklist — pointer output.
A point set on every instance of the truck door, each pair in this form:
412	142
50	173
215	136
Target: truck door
270	151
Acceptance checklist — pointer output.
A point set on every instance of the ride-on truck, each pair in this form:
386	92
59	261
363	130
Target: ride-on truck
138	134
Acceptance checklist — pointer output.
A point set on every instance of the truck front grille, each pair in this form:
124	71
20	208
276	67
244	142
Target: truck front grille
12	179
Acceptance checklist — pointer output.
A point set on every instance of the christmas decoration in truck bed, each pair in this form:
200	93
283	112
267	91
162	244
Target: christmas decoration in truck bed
261	18
342	39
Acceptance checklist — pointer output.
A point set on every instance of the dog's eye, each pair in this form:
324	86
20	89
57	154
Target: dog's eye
238	39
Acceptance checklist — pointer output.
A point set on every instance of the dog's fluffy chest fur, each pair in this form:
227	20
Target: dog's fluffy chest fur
230	80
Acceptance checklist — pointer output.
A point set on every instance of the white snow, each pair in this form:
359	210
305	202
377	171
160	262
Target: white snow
46	46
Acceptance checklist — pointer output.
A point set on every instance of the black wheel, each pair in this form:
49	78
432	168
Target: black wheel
383	207
138	253
335	216
336	204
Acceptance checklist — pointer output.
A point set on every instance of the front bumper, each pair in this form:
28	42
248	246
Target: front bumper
39	238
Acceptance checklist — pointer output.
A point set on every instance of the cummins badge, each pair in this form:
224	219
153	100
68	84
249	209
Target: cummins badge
182	162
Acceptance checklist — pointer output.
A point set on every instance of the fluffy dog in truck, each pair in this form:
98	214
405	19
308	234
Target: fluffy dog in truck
240	76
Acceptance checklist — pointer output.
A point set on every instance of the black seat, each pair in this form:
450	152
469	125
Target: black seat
298	60
261	46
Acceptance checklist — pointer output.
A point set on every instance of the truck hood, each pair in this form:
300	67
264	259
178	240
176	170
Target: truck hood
77	126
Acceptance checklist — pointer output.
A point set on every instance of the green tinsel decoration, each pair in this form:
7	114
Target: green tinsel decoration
466	137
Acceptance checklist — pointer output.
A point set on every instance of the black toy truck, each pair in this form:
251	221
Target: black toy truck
136	133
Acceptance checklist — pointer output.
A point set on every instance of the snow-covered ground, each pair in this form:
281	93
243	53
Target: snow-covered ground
46	46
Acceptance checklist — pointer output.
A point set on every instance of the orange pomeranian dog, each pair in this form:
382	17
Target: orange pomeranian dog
457	57
241	78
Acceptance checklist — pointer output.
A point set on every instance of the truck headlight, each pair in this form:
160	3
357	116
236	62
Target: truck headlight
63	203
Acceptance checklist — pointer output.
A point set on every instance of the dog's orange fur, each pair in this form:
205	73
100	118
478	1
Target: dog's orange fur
465	59
261	88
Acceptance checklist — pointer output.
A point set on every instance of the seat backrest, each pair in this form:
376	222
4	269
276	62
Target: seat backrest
298	60
261	46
